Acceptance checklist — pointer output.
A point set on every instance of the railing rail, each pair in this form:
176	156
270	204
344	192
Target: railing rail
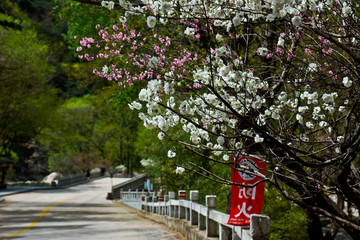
76	178
135	195
134	183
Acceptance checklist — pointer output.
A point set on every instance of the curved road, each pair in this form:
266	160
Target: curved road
79	212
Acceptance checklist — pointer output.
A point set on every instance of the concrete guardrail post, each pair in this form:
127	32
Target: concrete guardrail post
259	227
161	206
143	202
166	202
225	232
194	198
147	200
154	208
171	208
182	210
201	221
211	226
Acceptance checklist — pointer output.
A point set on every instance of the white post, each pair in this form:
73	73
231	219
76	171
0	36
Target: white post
259	227
194	198
171	208
181	209
211	226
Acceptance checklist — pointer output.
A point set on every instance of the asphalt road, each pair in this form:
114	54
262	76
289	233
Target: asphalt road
76	213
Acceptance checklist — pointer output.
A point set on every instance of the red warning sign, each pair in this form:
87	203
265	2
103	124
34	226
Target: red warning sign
245	200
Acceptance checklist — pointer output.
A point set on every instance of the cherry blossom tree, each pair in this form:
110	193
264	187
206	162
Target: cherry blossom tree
250	77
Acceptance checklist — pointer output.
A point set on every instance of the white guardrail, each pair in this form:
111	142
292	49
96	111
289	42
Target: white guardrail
74	179
213	222
134	195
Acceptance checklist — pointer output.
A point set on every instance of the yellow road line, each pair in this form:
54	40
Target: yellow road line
40	216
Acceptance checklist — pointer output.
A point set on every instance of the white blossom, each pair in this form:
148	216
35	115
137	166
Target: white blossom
135	105
329	97
270	17
258	139
108	4
299	118
183	2
340	139
161	135
347	83
171	154
189	31
153	61
236	20
220	140
220	37
323	124
263	51
296	21
151	21
179	170
105	69
309	125
312	67
346	10
166	7
337	150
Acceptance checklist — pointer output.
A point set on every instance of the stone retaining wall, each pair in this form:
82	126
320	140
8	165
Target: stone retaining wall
179	225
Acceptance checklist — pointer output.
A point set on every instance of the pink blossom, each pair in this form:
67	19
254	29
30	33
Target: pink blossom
83	43
124	26
308	51
279	50
148	7
270	55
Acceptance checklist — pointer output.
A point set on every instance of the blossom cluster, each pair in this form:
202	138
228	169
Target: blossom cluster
243	77
291	86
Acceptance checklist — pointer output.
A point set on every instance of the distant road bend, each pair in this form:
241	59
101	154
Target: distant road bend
80	212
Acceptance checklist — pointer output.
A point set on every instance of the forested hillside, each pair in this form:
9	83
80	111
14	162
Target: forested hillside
54	114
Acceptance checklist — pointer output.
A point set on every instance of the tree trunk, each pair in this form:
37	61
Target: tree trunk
314	227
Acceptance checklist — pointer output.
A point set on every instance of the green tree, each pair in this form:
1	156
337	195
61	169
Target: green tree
27	100
98	128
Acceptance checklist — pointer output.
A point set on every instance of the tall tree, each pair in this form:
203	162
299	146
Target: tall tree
27	100
279	78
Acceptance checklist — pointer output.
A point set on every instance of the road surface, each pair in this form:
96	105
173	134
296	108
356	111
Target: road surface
80	212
